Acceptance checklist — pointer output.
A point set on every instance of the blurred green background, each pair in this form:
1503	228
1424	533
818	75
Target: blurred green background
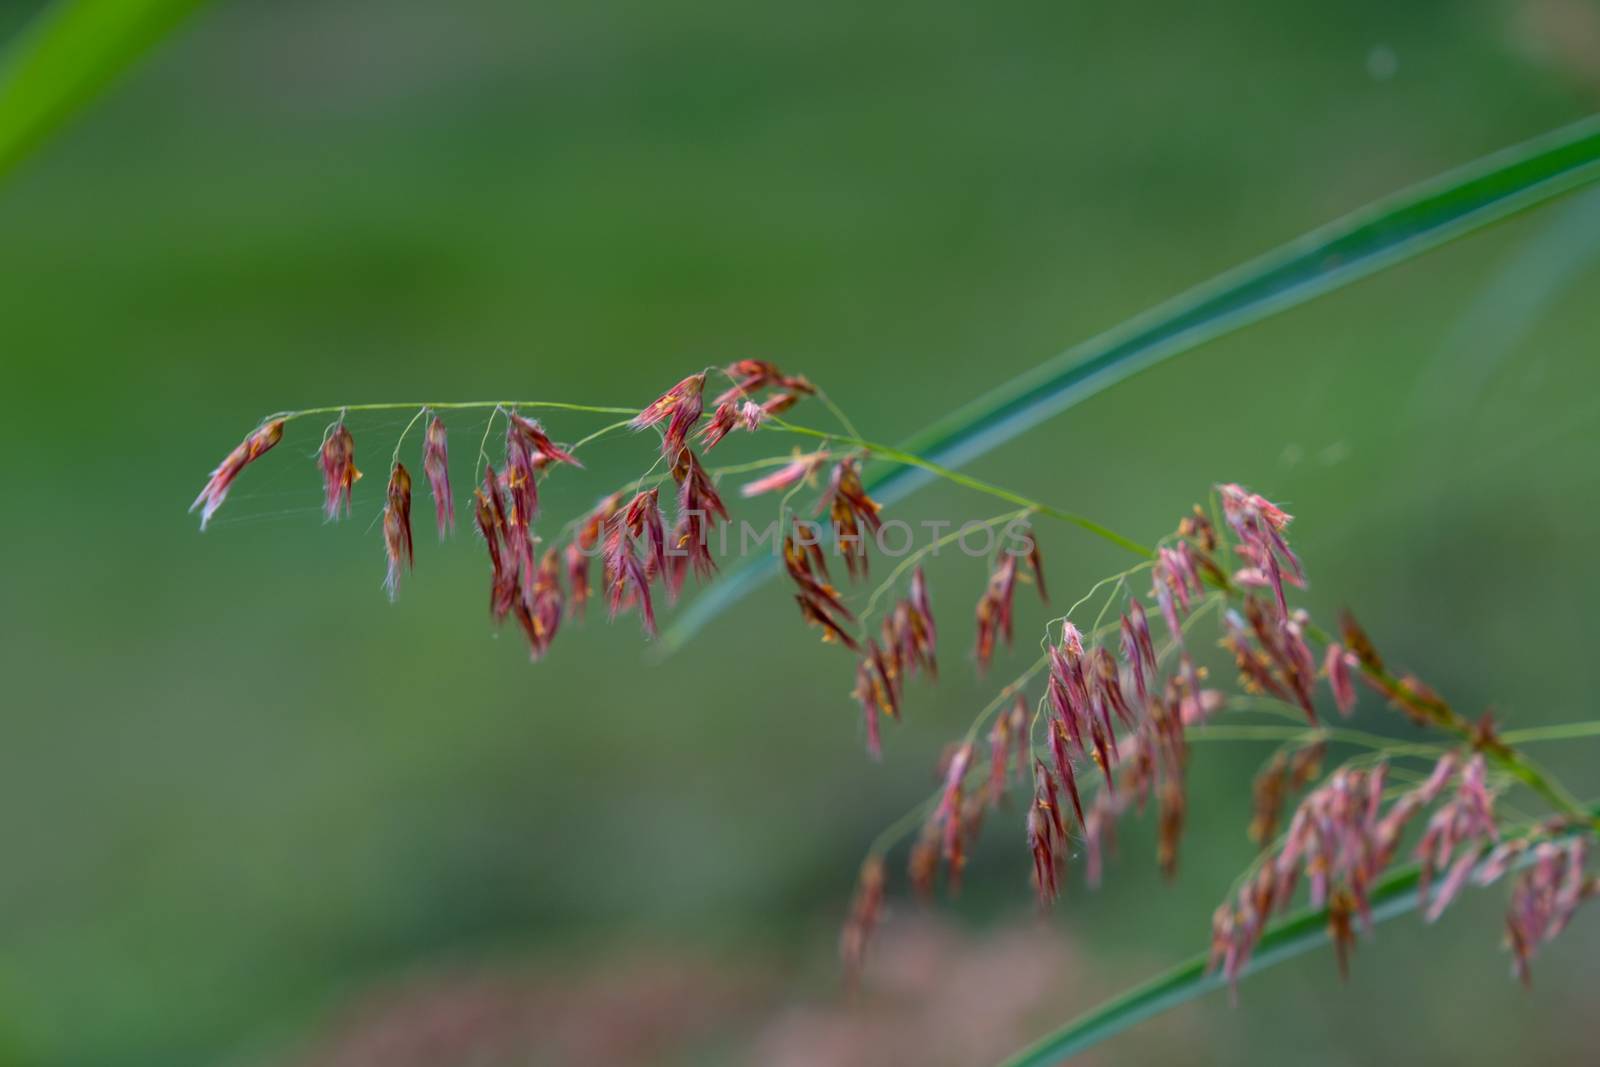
242	798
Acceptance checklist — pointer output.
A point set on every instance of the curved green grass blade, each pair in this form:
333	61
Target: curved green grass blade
69	53
1305	930
1360	244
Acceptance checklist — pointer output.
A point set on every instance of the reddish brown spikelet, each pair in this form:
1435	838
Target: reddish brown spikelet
865	911
1306	766
1269	791
1108	684
866	694
1045	833
1173	805
801	468
699	509
577	566
538	444
257	444
539	609
922	863
752	375
852	512
628	585
339	474
1341	929
695	490
948	815
489	513
778	403
397	528
886	673
681	407
582	547
1337	663
909	632
833	632
1485	736
1137	649
1544	899
1063	763
641	520
805	563
1197	527
994	609
1359	644
1036	564
918	597
722	422
436	466
528	451
1003	740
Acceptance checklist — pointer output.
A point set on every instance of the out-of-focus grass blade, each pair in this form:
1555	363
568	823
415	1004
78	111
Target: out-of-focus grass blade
1301	932
1360	244
69	53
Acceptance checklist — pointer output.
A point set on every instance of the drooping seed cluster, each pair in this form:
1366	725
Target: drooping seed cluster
1113	699
1544	898
908	647
1126	713
538	586
1340	840
1283	775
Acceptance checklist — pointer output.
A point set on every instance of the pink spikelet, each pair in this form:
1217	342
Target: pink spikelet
948	815
799	470
680	407
865	911
1338	663
730	416
1456	833
397	528
339	474
257	444
436	467
1544	899
753	375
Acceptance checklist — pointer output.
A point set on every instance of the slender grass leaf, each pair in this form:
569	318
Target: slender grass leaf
1375	237
68	54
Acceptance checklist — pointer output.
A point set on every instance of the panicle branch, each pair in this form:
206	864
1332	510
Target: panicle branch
1108	730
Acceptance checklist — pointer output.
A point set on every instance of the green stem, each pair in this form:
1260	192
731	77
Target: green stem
908	459
465	405
1252	732
1563	732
